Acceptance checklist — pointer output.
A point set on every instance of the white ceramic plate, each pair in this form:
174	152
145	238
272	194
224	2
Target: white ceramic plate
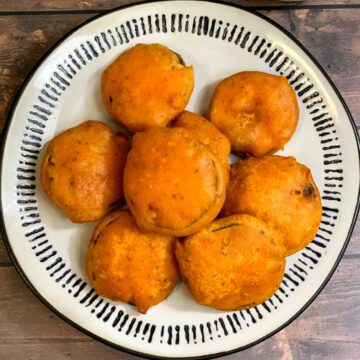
49	251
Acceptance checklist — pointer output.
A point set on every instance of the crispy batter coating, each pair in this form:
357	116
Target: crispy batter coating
258	112
280	191
235	263
207	133
173	183
82	170
126	264
147	86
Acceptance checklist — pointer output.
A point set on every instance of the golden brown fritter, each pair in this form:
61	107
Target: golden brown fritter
207	133
280	191
82	170
235	263
173	183
147	86
129	265
258	112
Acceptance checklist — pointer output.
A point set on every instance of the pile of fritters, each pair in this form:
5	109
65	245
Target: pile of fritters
174	175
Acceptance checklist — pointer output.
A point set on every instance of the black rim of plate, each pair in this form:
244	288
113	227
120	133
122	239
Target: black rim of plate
87	332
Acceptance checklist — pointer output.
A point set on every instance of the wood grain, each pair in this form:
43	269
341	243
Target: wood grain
41	5
24	35
352	252
47	333
4	257
333	37
33	35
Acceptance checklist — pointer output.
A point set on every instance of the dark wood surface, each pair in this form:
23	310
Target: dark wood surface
329	328
96	5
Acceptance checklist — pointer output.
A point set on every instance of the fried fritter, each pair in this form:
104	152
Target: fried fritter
235	263
173	183
147	86
207	133
258	112
280	191
82	170
129	265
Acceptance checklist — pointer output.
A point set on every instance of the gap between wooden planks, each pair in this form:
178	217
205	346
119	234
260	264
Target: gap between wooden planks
25	336
24	35
100	5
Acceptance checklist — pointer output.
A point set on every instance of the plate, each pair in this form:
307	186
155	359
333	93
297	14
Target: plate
49	251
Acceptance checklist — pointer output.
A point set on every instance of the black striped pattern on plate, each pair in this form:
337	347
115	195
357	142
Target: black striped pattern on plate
41	112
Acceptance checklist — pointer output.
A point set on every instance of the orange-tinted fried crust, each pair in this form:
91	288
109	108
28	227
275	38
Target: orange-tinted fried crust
82	170
258	112
129	265
207	133
173	183
280	191
235	263
146	86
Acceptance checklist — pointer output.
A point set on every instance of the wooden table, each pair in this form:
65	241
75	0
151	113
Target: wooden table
329	328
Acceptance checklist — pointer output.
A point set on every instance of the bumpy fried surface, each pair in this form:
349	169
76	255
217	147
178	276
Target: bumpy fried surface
146	86
258	112
129	265
82	170
235	263
173	183
207	133
280	191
